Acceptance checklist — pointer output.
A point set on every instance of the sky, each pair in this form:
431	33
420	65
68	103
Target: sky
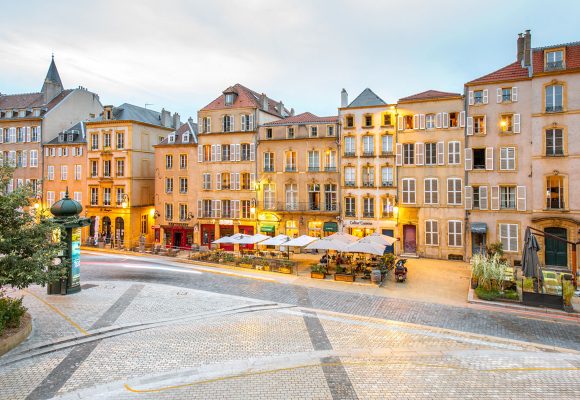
180	55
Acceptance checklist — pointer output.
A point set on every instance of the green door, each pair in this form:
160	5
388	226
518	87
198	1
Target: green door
556	250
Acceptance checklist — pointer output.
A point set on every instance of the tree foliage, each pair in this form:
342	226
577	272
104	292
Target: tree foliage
27	248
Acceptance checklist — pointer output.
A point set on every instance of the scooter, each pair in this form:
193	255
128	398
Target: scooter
401	270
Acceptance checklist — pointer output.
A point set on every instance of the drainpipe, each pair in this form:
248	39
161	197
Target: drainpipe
339	170
466	173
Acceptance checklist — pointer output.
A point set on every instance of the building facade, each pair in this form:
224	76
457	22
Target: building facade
368	180
228	127
120	176
430	173
298	178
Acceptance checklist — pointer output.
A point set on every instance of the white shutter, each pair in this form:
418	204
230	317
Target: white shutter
468	156
252	151
517	123
252	181
199	209
80	151
400	123
441	153
218	181
438	120
495	197
208	125
1	135
483	198
212	157
468	197
200	154
445	120
471	98
399	154
521	198
217	209
489	158
422	120
24	157
462	119
218	152
416	121
199	125
485	96
27	130
39	134
514	94
238	152
419	155
243	118
46	151
236	209
485	125
236	181
499	96
469	126
251	122
232	152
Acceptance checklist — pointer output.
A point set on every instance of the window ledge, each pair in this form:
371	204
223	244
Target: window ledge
565	210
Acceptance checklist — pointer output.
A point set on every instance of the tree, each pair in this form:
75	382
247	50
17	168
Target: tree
27	248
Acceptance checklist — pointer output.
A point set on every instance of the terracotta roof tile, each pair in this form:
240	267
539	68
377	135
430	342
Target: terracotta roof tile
304	118
187	127
572	56
30	100
510	72
430	94
245	98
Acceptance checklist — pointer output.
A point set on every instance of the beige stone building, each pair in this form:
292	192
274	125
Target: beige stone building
177	183
430	175
228	126
298	178
368	176
120	176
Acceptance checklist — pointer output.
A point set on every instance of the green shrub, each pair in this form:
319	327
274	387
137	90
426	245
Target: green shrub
495	294
489	272
567	292
528	285
11	311
229	257
387	262
319	268
340	269
495	248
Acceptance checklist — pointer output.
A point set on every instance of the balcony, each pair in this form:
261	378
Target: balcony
313	169
387	184
349	184
385	153
368	184
268	169
329	169
386	214
554	66
301	206
368	215
349	154
350	214
368	154
554	109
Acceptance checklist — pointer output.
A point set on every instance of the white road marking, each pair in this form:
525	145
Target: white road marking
140	266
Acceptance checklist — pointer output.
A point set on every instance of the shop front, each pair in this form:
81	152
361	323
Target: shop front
226	229
178	235
246	230
360	228
268	229
329	228
292	228
207	234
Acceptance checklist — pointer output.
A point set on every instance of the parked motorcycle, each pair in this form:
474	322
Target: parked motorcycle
400	270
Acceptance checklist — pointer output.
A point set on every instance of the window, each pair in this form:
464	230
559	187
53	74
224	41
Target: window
206	181
290	133
247	122
168	161
507	197
144	224
478	158
476	198
554	98
63	172
246	181
313	161
206	210
430	153
94	196
227	154
387	120
349	176
313	131
246	209
453	120
227	123
455	233
478	97
120	195
107	168
168	185
78	196
507	158
183	185
368	120
368	176
506	123
454	190
183	159
291	196
349	149
506	95
409	190
290	161
269	196
120	167
106	140
226	181
386	176
330	197
479	125
368	145
168	211
555	192
314	197
183	212
247	152
369	207
453	153
386	144
408	154
508	236
35	134
554	143
387	208
49	198
78	172
229	99
554	60
349	207
431	232
349	121
227	209
431	191
94	168
94	141
120	140
206	124
408	122
430	121
268	162
20	135
50	173
330	130
268	133
106	196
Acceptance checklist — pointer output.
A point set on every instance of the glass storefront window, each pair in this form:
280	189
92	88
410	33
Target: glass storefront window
292	229
315	229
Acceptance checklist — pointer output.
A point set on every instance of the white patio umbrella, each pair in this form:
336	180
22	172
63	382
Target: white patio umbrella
300	241
257	238
367	248
276	241
379	239
229	239
339	242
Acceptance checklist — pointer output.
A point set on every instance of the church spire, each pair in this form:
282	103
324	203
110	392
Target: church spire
52	84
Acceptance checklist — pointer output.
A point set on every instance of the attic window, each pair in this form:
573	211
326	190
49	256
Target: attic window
229	99
554	60
108	114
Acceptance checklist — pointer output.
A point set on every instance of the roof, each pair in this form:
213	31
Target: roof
430	95
78	132
246	98
52	75
304	118
187	127
514	71
30	100
130	112
367	98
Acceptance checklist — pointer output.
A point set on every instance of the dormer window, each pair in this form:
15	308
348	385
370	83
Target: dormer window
61	137
229	99
554	60
185	138
22	113
269	133
171	139
36	112
70	137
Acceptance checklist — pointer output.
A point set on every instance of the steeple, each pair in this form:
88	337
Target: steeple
52	83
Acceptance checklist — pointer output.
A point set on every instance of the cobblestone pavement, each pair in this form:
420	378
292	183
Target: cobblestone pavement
172	341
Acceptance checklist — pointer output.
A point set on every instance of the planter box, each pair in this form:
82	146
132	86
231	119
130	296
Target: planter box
285	270
318	275
250	266
543	300
344	277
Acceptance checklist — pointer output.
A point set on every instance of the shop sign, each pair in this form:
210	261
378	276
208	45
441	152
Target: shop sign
226	221
358	222
177	224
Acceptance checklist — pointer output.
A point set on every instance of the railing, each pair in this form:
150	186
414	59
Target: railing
349	154
387	153
290	169
554	108
387	184
386	214
368	154
506	98
330	169
554	65
349	183
301	206
350	214
555	204
313	169
368	184
268	169
368	215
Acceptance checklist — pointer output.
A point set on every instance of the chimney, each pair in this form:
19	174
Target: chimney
292	112
165	118
520	47
281	108
190	120
527	49
343	98
264	102
176	121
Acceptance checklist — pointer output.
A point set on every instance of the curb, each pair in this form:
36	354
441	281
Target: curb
20	336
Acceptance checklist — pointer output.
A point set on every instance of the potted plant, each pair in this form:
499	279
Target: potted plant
286	267
342	275
318	271
567	294
246	262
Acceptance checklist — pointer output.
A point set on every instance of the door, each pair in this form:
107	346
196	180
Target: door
391	233
119	230
409	239
177	236
107	229
556	250
477	243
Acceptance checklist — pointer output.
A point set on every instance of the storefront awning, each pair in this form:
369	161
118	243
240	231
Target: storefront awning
330	227
478	227
267	228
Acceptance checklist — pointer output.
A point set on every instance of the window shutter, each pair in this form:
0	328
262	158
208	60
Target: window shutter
38	138
499	96
514	94
469	126
218	209
218	181
218	152
485	96
24	154
209	181
251	117
419	156
212	158
416	121
252	151
236	209
441	153
489	158
399	154
208	125
243	118
80	151
485	124
400	126
200	154
471	98
438	120
445	120
236	181
495	197
422	120
238	154
513	230
517	123
483	198
468	197
232	152
462	119
199	125
468	156
1	135
252	181
199	209
521	198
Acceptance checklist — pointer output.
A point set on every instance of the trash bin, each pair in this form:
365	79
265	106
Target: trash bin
376	276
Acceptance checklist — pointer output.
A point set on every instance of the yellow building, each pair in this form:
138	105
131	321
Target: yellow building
298	185
120	175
